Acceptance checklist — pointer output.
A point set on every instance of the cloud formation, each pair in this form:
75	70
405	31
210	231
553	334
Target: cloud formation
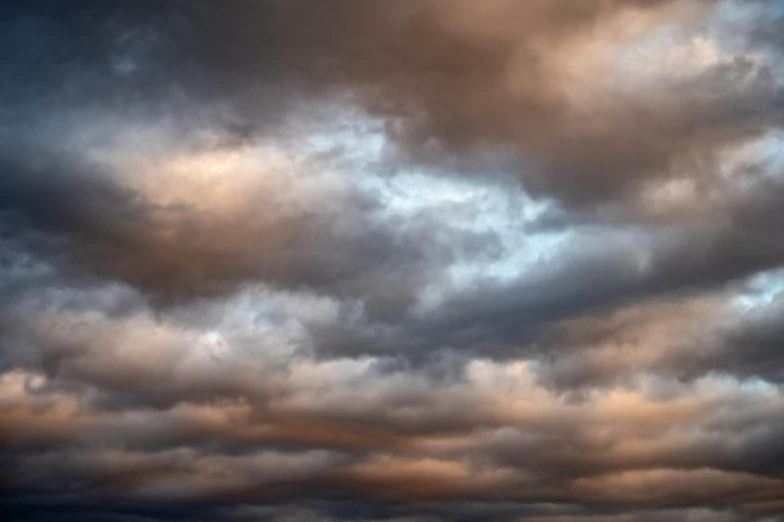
413	261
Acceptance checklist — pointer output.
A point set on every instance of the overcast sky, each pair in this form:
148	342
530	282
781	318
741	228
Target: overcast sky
401	260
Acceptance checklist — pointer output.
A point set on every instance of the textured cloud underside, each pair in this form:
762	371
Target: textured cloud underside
411	261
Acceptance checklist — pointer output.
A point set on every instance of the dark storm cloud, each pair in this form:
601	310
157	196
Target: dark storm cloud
458	77
458	89
455	77
410	261
461	78
693	339
605	272
338	243
390	451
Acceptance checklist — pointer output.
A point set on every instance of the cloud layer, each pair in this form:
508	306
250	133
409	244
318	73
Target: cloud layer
412	261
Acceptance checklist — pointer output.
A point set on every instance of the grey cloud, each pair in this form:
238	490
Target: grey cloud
514	291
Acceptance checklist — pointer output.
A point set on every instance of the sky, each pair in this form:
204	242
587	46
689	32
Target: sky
401	261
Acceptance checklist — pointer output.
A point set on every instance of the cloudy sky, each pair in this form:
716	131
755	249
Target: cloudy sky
392	260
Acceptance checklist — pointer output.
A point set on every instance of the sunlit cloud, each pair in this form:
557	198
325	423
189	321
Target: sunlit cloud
415	261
